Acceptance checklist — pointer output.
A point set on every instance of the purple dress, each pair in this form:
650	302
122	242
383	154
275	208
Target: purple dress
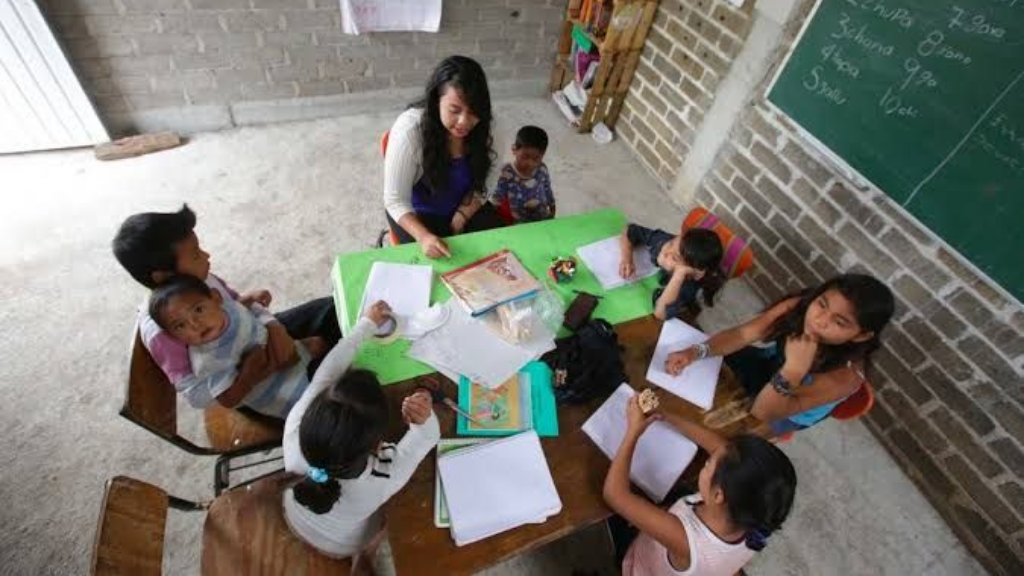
445	202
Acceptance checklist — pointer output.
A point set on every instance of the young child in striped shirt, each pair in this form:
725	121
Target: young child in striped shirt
219	332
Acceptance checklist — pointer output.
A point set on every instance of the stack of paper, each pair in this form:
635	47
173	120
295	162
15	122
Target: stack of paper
466	346
698	381
661	454
602	258
497	486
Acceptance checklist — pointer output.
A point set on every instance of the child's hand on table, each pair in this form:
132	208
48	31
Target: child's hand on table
626	266
379	312
416	408
636	421
679	360
261	297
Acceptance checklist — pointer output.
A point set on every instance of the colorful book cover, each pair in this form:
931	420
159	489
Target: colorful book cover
446	445
526	401
503	409
490	282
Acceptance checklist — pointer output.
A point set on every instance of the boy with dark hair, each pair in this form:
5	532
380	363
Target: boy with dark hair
525	183
156	246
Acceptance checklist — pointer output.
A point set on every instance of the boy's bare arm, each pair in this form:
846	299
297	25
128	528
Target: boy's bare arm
255	367
281	346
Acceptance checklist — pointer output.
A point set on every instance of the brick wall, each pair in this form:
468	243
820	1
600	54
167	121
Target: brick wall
141	55
687	53
950	379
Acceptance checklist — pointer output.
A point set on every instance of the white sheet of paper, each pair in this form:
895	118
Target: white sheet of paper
661	455
405	287
698	381
497	486
362	16
602	258
465	345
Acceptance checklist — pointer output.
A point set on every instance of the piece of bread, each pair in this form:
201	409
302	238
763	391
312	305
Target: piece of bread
648	401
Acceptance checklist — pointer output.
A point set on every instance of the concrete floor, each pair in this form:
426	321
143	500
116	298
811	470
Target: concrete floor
275	203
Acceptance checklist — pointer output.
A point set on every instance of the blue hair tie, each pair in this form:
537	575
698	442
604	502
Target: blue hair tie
318	475
757	539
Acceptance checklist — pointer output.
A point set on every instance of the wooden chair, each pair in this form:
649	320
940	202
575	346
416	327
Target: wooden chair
737	257
151	402
244	533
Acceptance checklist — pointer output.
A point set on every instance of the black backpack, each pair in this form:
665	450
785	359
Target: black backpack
587	364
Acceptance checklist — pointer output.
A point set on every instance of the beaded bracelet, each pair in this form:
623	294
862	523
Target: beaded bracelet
781	385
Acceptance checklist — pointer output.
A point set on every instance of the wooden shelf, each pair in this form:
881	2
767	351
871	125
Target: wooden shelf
594	39
619	49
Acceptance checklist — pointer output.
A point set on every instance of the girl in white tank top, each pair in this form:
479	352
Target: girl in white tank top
745	492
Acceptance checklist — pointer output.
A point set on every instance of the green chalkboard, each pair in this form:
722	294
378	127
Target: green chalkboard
925	99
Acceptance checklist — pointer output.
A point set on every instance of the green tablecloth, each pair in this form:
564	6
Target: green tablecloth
534	244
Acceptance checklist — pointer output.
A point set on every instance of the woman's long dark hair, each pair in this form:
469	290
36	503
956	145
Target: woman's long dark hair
465	75
702	249
340	429
873	306
758	482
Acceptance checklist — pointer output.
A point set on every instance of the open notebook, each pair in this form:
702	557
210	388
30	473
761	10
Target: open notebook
662	453
497	486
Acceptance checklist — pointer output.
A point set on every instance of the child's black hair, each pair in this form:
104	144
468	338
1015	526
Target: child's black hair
873	305
532	137
175	286
339	431
701	248
145	243
758	482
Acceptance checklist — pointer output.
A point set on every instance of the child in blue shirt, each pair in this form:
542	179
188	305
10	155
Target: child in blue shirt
525	182
689	262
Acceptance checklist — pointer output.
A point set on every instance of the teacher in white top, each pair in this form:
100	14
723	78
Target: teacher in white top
437	160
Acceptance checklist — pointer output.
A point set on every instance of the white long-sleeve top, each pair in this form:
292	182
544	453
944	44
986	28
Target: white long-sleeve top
403	163
353	520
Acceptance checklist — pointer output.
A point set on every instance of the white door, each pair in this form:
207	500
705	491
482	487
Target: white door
42	105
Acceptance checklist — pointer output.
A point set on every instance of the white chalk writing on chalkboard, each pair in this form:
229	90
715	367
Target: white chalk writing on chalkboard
934	45
901	16
963	140
819	87
860	36
974	23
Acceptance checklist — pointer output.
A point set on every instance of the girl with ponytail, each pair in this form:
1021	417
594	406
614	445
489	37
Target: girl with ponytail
745	492
334	439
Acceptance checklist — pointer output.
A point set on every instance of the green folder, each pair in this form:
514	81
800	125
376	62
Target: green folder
539	404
